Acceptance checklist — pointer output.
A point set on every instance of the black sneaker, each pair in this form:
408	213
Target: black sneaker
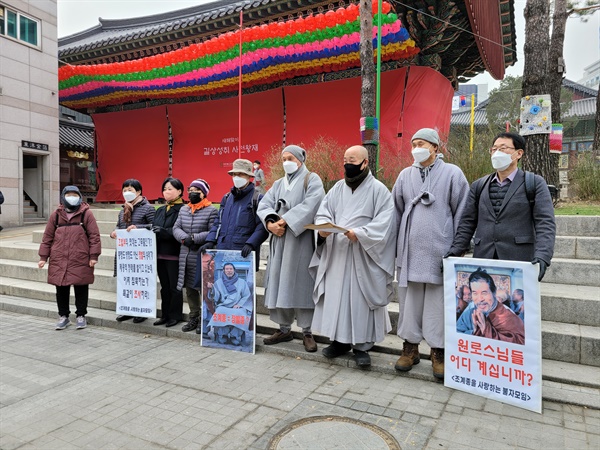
336	349
191	325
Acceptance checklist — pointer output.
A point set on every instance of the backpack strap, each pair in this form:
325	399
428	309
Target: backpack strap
530	188
306	181
81	222
480	186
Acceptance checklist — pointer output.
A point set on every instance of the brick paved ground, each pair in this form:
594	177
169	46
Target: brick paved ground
105	388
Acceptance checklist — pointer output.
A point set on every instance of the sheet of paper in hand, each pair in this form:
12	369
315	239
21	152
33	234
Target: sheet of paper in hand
326	227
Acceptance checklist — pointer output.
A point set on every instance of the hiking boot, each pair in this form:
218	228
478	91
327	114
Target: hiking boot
81	322
362	358
309	343
63	322
409	358
278	337
191	325
336	349
437	362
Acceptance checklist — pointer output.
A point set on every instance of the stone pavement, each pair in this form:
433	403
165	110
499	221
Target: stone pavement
108	388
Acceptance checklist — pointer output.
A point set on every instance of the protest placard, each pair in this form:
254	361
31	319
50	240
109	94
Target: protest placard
493	330
136	273
229	301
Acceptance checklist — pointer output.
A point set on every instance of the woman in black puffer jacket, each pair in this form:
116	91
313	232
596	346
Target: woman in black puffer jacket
167	249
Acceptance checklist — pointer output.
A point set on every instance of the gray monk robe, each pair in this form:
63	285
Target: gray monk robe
288	284
353	280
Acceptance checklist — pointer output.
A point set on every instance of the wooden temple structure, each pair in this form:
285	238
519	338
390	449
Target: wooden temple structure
163	88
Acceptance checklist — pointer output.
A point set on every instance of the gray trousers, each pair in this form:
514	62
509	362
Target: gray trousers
285	318
193	299
422	314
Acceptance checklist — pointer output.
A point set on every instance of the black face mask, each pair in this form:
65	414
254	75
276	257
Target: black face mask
194	197
353	170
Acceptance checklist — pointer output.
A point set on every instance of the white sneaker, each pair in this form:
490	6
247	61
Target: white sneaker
63	322
81	322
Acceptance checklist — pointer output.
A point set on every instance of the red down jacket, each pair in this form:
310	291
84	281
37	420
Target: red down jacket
70	248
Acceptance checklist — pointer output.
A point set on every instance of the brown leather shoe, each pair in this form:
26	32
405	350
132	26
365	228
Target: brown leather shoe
309	343
437	362
278	337
410	357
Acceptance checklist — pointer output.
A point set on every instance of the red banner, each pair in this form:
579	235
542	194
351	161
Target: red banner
132	144
205	136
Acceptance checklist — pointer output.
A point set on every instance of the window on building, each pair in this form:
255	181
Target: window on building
18	26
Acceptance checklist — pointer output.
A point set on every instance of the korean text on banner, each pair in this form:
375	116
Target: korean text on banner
493	330
136	273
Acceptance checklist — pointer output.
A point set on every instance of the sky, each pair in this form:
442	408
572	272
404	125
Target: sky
582	39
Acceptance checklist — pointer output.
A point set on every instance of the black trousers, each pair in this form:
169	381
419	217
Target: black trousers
81	299
172	298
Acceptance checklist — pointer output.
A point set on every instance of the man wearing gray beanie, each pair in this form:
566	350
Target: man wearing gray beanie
429	196
286	208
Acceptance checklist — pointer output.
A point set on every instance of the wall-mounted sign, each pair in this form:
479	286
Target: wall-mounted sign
35	145
78	155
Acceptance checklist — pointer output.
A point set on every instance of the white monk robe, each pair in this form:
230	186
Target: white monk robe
353	280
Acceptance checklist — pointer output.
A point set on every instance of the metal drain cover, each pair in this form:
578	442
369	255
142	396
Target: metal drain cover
324	432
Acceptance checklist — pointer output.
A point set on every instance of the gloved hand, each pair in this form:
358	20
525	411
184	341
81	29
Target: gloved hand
450	253
156	229
246	250
207	246
188	241
543	267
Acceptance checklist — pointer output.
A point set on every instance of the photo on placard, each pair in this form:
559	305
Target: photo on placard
228	301
490	302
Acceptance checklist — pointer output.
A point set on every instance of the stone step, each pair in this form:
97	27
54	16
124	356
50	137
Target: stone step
578	226
556	376
577	247
583	302
562	342
108	243
107	215
582	272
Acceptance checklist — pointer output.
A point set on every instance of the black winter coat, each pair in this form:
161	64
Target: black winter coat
166	244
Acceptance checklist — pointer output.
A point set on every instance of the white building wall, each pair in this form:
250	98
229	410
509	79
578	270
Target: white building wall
29	110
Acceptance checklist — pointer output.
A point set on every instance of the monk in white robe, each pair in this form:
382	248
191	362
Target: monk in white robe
285	209
354	271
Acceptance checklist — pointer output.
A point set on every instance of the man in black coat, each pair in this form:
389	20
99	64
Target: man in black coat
508	223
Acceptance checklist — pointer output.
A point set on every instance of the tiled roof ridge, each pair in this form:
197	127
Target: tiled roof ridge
159	18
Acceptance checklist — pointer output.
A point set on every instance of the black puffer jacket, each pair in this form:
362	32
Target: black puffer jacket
166	244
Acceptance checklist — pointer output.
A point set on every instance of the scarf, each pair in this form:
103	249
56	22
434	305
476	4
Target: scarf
198	206
128	209
353	183
229	282
177	201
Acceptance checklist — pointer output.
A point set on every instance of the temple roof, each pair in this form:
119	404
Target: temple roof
76	135
460	39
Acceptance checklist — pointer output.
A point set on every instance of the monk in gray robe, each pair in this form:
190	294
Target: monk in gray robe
354	270
286	208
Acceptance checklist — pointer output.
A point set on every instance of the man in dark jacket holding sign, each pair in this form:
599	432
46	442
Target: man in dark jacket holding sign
511	218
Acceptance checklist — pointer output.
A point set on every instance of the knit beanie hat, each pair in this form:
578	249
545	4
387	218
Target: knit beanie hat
298	152
202	185
427	134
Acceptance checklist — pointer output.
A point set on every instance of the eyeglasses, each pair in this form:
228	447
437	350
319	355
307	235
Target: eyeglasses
503	149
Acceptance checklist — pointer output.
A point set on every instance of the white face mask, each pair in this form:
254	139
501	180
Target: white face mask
73	201
420	154
129	196
239	182
290	167
501	160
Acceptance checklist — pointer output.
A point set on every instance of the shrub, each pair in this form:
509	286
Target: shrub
324	157
476	164
586	176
